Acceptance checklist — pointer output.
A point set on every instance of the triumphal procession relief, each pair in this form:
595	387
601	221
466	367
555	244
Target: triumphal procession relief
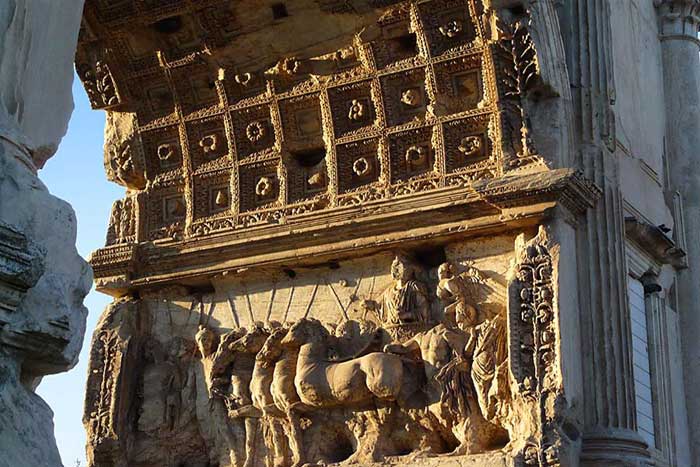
341	237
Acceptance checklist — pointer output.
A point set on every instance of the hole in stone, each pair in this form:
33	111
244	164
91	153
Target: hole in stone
279	10
290	273
168	25
342	450
201	289
431	257
407	44
309	157
517	10
571	431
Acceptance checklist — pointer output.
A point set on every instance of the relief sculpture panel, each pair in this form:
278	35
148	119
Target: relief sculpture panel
328	251
386	358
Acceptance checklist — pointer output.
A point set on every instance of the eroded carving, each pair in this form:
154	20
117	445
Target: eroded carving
405	128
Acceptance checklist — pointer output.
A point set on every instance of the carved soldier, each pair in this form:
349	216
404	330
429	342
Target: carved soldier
405	301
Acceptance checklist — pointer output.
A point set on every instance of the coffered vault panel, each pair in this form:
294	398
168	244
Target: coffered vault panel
239	115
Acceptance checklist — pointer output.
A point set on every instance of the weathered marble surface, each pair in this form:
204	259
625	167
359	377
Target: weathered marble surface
43	280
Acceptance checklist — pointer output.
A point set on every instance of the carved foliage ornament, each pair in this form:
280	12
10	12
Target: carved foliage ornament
533	347
520	75
100	86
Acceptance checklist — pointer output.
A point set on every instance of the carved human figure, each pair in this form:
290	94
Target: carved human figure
455	292
172	387
405	301
486	347
183	352
207	342
450	392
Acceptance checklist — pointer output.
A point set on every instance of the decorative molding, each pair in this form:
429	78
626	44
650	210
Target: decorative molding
567	187
432	215
679	19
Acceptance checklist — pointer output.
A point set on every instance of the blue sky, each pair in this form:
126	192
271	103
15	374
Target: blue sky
76	174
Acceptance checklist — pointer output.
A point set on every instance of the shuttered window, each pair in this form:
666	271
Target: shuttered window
642	376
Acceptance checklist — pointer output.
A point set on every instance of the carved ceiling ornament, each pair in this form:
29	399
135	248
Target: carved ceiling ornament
470	145
411	97
263	187
255	131
451	29
208	143
100	85
361	167
338	97
357	110
165	152
244	79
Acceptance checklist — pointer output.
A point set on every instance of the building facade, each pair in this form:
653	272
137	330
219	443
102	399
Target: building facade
397	232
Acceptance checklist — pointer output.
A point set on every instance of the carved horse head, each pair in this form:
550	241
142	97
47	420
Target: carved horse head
306	331
272	349
252	341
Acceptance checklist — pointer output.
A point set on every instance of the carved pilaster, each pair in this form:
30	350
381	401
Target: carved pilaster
533	325
113	370
678	28
609	414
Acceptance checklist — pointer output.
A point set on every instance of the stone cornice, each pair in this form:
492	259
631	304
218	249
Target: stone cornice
653	241
512	202
679	19
21	266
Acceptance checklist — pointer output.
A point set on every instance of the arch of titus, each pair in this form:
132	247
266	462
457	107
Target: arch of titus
381	232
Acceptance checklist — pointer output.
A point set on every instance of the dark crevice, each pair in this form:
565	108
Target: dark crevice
309	157
407	43
168	25
431	257
279	11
